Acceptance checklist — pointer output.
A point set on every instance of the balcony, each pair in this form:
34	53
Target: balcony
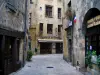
49	36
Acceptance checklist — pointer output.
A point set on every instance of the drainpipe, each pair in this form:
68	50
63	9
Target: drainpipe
25	33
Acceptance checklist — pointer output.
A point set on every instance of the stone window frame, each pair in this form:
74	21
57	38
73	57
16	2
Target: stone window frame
49	28
49	11
59	13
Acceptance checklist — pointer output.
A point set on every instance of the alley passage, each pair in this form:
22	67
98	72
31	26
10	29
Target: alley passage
48	65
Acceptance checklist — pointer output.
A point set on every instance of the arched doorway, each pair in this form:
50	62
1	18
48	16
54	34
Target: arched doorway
91	29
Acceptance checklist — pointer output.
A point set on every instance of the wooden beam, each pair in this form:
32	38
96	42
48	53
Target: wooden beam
12	33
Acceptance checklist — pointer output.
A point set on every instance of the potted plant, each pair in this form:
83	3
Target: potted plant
94	57
29	55
88	59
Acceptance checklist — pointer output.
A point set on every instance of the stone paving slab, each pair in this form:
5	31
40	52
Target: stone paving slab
39	64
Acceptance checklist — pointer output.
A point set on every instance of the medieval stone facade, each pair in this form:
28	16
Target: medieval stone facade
83	10
12	14
32	24
12	19
46	14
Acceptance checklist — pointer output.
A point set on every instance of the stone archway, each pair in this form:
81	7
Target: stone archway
90	13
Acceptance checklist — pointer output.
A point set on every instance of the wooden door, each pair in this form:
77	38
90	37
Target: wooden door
1	60
59	48
70	49
8	65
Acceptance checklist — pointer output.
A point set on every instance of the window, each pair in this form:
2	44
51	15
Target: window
59	13
69	4
93	43
48	11
41	27
30	15
31	2
11	5
40	8
59	28
49	28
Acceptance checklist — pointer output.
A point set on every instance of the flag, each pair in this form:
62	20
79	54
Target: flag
75	19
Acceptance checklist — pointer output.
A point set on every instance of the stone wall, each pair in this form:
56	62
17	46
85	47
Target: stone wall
65	26
81	7
12	19
32	28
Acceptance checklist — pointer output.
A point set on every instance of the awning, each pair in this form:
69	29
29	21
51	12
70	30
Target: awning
50	40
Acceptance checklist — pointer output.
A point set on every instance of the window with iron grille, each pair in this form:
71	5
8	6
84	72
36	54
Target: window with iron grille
59	13
49	28
48	11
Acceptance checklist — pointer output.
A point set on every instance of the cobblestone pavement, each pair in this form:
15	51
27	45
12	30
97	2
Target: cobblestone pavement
55	62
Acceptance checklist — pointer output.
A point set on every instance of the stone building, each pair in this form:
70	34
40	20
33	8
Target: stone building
12	13
67	31
32	16
85	31
47	26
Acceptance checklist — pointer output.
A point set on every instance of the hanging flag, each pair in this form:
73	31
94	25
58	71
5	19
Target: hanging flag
75	19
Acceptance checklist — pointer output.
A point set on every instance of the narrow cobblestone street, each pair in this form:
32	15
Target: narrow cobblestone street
48	65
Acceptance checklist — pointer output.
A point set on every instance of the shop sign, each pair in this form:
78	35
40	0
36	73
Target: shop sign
93	22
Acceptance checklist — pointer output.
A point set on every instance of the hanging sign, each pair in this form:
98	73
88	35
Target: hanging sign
93	22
